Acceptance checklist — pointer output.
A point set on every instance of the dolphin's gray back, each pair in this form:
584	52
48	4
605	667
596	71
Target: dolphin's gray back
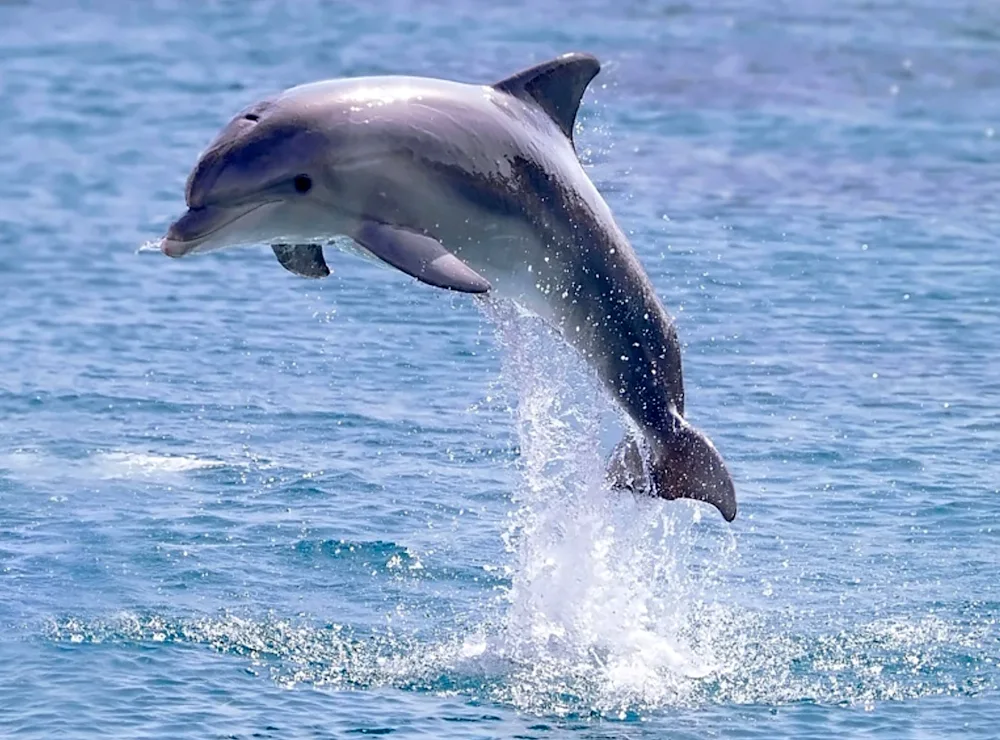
474	127
485	147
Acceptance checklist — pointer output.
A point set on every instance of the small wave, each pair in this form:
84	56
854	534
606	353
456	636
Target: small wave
22	461
132	464
40	466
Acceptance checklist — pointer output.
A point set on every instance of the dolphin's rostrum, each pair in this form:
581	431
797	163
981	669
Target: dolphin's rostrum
473	188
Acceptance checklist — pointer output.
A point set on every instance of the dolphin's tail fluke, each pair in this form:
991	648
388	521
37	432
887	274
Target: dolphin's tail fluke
681	463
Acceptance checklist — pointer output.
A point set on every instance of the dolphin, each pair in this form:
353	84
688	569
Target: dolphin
472	188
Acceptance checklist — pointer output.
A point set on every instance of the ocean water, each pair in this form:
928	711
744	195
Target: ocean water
238	504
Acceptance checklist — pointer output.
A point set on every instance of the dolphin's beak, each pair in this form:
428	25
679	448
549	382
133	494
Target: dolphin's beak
191	232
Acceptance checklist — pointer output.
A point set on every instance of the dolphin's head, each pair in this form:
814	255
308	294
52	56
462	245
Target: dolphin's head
318	160
263	179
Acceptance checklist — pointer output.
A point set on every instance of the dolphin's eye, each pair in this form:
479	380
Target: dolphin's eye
303	183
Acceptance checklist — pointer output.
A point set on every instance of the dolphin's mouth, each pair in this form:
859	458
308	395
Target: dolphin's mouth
190	232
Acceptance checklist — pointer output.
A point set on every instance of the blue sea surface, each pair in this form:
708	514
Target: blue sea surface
239	504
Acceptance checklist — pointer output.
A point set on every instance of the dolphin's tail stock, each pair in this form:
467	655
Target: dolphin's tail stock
680	463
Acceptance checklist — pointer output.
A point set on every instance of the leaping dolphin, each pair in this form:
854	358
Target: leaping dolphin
473	188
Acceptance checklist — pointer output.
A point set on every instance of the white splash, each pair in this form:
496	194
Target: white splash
601	594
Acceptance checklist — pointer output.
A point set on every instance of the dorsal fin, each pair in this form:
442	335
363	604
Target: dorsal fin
557	86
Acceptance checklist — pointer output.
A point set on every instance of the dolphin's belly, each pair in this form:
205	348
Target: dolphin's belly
517	266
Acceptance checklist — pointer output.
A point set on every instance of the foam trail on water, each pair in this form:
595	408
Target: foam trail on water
601	595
